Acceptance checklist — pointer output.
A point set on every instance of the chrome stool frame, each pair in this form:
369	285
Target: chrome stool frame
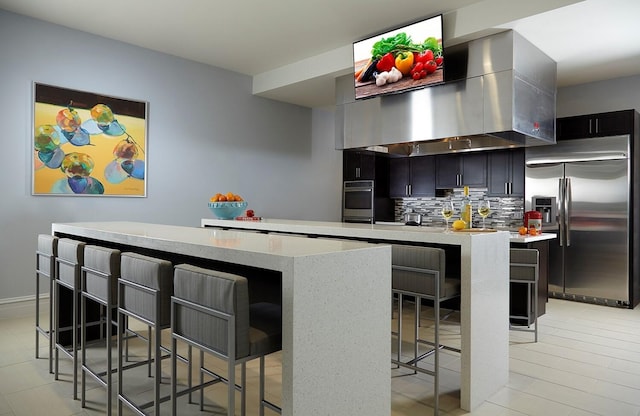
420	272
68	268
98	283
131	304
45	268
524	269
211	320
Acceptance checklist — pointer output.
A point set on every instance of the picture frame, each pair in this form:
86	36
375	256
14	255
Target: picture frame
88	144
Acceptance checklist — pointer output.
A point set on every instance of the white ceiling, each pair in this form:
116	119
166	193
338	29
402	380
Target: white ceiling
294	49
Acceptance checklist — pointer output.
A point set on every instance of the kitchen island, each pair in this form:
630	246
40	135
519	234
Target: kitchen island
484	302
336	313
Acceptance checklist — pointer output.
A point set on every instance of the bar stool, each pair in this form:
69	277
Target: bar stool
420	272
68	265
524	269
210	310
46	253
145	288
99	283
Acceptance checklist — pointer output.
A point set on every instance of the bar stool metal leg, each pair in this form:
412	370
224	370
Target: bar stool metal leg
47	250
68	267
99	279
144	294
211	311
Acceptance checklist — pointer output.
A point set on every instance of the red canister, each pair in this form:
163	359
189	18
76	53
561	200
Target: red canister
533	219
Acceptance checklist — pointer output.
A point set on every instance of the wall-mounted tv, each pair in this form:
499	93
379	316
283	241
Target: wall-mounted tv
403	59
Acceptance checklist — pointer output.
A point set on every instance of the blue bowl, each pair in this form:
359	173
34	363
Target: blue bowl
228	210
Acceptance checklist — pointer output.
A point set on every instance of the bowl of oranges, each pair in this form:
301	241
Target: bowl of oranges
227	206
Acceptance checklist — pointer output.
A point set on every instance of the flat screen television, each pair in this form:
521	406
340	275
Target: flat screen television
415	51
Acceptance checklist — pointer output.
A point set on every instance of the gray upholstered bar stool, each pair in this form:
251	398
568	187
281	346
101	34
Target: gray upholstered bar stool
144	294
99	283
211	311
524	269
46	252
421	272
68	265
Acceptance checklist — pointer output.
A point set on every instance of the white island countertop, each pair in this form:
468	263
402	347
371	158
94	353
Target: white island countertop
484	300
383	230
336	309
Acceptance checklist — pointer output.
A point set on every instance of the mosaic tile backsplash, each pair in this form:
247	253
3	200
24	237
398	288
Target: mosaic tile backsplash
506	213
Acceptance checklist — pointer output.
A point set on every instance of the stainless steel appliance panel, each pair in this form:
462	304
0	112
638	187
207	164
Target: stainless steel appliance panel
596	253
589	178
544	181
358	201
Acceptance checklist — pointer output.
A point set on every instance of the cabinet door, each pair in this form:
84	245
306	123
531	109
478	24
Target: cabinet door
474	170
350	165
367	166
568	128
398	177
358	165
517	172
614	123
499	172
595	125
506	172
423	176
447	171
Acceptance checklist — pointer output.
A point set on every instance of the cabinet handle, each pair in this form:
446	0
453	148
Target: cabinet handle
357	172
510	188
409	187
506	188
590	130
597	126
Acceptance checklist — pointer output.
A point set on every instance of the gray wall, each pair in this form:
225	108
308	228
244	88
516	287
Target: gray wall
206	133
599	97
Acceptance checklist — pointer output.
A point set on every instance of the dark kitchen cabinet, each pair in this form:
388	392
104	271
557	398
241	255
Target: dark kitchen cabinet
412	176
595	125
456	170
358	165
505	175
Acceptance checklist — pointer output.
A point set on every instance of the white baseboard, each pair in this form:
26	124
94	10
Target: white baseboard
22	299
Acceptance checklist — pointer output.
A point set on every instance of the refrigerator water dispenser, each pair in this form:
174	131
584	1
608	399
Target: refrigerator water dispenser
546	205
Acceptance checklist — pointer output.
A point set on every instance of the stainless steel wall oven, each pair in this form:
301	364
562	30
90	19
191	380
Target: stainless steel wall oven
358	201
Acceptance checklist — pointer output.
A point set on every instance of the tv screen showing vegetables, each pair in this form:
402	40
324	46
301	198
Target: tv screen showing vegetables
404	59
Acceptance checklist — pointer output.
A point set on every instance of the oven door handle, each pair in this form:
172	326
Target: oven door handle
358	190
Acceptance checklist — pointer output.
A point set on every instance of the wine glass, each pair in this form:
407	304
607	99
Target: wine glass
484	209
447	212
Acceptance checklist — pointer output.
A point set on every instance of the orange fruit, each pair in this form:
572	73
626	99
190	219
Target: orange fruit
230	196
522	230
237	198
533	231
222	198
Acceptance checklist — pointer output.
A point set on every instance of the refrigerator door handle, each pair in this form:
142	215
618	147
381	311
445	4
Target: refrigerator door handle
561	229
567	210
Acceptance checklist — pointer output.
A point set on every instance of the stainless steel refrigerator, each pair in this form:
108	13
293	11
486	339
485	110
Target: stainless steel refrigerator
589	183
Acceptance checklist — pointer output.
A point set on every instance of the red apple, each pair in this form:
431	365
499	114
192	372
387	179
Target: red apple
250	213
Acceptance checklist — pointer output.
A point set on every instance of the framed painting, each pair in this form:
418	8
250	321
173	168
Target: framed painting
88	144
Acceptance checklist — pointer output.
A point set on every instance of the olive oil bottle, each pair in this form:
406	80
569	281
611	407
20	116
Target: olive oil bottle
466	213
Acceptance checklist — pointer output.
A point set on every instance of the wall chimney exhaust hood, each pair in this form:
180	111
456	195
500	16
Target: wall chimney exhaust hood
500	92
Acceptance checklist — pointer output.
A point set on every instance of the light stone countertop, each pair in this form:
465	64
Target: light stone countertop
484	300
381	230
322	281
337	277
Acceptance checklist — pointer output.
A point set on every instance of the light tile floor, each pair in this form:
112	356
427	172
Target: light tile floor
587	362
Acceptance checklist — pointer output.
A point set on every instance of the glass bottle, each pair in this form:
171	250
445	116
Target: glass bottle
466	213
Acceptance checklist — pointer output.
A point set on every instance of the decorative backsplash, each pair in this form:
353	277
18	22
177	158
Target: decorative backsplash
505	212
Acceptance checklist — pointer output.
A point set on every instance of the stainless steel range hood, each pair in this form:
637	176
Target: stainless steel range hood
500	92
